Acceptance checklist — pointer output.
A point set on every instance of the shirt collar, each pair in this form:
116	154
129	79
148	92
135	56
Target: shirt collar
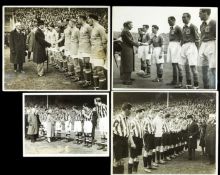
173	26
207	21
188	24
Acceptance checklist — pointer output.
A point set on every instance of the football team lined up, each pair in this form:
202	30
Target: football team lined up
159	134
76	123
187	49
73	43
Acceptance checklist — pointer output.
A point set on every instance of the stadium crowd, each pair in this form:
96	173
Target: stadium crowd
73	40
158	133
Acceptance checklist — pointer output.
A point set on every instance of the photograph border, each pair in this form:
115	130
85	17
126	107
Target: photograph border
107	154
108	7
217	124
156	89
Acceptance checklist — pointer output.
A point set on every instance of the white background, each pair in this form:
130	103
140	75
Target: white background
155	15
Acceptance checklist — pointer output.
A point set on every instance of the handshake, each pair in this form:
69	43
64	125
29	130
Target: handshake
142	44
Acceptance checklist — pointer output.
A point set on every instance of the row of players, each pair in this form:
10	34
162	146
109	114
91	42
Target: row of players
82	122
82	39
187	49
162	136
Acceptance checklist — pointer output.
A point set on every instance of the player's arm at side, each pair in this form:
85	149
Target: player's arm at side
162	46
131	134
103	38
196	35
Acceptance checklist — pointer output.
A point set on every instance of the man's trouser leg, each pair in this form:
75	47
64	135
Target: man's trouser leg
40	69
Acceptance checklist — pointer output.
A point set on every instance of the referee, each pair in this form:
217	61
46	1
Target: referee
120	138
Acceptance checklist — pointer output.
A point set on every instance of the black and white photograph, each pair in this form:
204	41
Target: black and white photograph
65	125
164	47
164	132
55	48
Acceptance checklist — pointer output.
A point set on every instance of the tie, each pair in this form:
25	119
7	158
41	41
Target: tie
205	23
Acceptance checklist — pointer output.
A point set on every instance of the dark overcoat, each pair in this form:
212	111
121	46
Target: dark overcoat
39	47
210	138
33	124
193	130
17	47
127	52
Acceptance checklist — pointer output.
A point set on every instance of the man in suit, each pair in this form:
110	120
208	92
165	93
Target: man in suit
193	132
39	51
17	48
127	53
210	138
33	125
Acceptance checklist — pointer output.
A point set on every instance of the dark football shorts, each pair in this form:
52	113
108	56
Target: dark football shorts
165	139
120	147
134	152
157	141
149	142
